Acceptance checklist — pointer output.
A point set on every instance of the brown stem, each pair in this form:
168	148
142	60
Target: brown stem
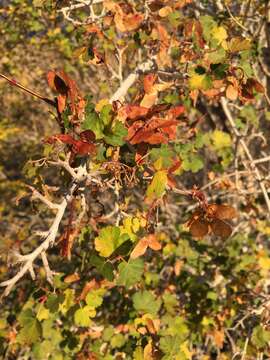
31	92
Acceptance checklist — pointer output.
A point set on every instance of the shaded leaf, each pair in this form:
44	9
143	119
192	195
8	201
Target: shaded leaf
130	272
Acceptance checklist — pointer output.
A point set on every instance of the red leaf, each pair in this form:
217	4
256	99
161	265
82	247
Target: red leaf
141	151
176	165
157	123
61	83
83	148
176	111
64	138
222	212
57	83
78	146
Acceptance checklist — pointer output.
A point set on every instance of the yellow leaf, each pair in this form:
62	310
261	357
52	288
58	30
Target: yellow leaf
264	263
184	348
199	82
101	104
219	33
239	44
158	185
165	11
221	139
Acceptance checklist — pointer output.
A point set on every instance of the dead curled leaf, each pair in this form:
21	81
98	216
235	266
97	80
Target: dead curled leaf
212	219
67	89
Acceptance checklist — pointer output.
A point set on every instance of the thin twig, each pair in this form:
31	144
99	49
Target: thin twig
247	152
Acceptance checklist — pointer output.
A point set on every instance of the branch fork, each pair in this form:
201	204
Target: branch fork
49	237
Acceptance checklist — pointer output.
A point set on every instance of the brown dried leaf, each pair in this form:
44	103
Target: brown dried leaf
199	228
221	212
221	228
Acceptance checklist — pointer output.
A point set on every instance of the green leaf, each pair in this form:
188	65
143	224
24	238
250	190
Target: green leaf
219	34
172	98
158	185
170	302
249	114
208	23
145	302
42	350
103	266
94	123
42	312
53	302
116	134
31	329
219	70
170	345
163	152
177	326
108	240
68	302
106	114
217	56
130	272
95	298
117	341
138	353
174	18
260	337
82	316
192	163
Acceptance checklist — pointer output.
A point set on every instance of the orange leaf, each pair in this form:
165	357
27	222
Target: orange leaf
139	249
132	112
72	278
148	82
61	103
147	241
231	92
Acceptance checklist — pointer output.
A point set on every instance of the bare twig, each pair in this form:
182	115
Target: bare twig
29	91
247	152
42	198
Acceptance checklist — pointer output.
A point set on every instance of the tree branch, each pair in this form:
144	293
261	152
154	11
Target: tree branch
130	80
28	259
